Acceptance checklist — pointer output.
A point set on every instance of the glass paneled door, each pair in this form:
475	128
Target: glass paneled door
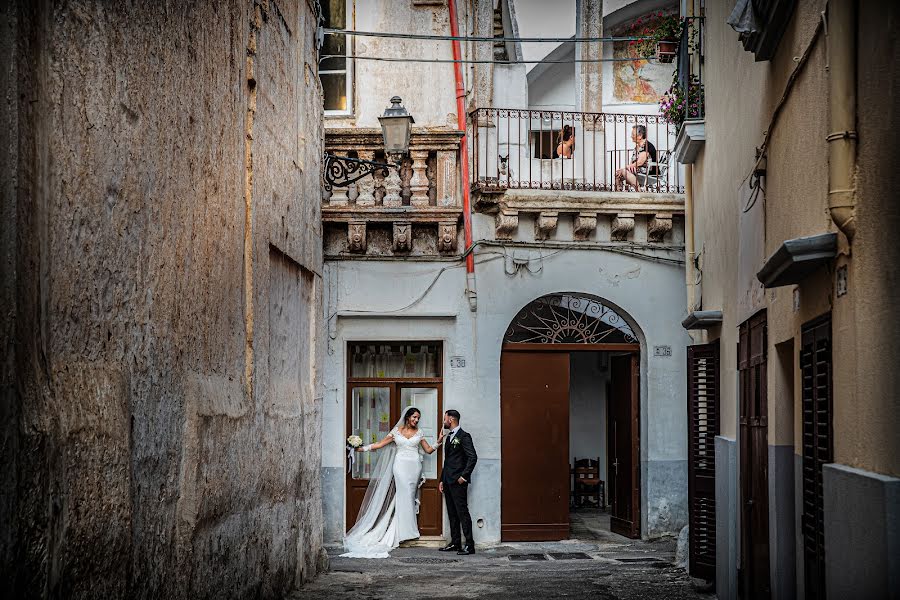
383	380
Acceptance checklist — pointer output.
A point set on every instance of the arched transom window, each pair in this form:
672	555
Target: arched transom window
568	319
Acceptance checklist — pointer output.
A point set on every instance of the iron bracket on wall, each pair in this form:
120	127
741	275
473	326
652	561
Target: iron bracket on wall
341	171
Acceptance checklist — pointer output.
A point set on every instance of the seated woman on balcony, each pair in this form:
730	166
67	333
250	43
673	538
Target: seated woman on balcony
566	142
637	170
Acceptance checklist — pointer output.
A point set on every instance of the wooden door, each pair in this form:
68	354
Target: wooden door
373	410
754	459
703	427
623	435
534	413
815	368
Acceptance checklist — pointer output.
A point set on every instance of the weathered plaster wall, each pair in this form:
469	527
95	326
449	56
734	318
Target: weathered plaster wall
162	261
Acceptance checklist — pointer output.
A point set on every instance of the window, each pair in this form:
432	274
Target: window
542	145
335	72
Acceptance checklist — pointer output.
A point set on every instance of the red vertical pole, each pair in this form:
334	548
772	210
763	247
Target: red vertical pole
463	147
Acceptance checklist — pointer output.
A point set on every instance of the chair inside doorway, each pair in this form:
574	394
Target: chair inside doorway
588	490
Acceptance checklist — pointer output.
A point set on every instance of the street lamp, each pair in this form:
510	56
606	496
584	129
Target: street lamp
396	123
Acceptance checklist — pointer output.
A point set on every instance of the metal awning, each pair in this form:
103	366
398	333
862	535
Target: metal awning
702	319
796	259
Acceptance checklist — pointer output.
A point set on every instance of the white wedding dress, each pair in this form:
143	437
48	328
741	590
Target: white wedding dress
388	513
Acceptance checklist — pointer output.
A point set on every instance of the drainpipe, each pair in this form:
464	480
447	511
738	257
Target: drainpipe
841	52
689	277
464	158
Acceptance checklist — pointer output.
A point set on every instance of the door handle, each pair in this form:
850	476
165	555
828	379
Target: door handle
616	465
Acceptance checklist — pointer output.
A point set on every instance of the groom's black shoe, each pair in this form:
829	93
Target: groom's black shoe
466	550
449	547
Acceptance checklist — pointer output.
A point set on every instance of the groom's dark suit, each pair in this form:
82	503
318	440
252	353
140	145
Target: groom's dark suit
459	461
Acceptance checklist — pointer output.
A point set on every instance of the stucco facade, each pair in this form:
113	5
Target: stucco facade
735	237
384	290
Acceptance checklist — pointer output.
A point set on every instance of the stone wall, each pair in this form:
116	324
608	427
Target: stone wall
161	261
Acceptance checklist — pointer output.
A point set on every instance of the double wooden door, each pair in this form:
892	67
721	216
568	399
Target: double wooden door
534	412
373	408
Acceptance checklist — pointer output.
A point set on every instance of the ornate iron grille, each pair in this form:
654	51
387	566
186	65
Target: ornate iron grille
568	319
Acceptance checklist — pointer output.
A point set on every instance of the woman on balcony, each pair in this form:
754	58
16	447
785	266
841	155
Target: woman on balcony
566	142
644	162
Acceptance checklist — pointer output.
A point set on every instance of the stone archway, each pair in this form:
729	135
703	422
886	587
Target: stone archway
534	409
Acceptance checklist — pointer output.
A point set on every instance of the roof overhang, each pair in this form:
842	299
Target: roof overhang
702	319
796	259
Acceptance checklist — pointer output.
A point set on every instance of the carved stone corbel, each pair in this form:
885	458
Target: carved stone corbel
447	236
622	225
402	237
659	226
585	224
545	224
505	223
356	236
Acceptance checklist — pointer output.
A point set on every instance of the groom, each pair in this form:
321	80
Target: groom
459	461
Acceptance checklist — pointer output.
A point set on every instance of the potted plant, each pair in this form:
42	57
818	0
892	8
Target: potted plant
660	33
679	104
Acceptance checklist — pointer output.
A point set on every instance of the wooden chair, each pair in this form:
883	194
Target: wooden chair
586	482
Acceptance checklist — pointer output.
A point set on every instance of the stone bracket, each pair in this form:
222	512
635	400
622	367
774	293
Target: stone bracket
356	236
622	225
505	222
402	238
584	225
447	237
545	224
659	226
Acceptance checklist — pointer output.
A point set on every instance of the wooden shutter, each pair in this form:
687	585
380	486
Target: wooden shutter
815	369
754	458
703	427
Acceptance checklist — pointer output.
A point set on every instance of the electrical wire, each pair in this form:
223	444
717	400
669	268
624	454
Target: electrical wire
801	62
486	62
465	38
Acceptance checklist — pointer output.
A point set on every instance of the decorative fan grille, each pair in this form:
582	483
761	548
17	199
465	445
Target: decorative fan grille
568	319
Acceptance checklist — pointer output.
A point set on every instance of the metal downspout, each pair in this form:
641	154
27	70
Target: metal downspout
842	139
463	157
689	277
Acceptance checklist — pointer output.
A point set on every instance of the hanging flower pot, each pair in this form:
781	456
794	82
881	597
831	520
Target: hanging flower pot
666	51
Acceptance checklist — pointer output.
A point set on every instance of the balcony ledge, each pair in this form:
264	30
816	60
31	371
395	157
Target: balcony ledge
796	259
702	319
691	138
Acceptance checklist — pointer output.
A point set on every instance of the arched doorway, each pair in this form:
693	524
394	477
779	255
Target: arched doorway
541	344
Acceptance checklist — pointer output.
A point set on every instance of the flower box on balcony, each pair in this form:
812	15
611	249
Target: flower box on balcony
691	138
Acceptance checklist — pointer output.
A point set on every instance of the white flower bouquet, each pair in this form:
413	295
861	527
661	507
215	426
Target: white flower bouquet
354	441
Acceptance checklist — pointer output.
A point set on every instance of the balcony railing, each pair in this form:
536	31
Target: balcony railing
519	149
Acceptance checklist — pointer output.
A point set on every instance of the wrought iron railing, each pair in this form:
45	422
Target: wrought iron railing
690	68
521	149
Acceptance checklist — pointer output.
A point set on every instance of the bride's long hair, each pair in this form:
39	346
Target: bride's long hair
364	536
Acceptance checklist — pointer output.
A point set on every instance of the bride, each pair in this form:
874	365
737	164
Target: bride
388	512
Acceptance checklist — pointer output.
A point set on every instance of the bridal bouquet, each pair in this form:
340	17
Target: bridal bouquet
353	442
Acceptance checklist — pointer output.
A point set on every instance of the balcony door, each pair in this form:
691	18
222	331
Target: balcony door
384	378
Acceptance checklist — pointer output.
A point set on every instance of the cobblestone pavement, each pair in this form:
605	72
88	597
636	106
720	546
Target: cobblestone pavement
570	569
